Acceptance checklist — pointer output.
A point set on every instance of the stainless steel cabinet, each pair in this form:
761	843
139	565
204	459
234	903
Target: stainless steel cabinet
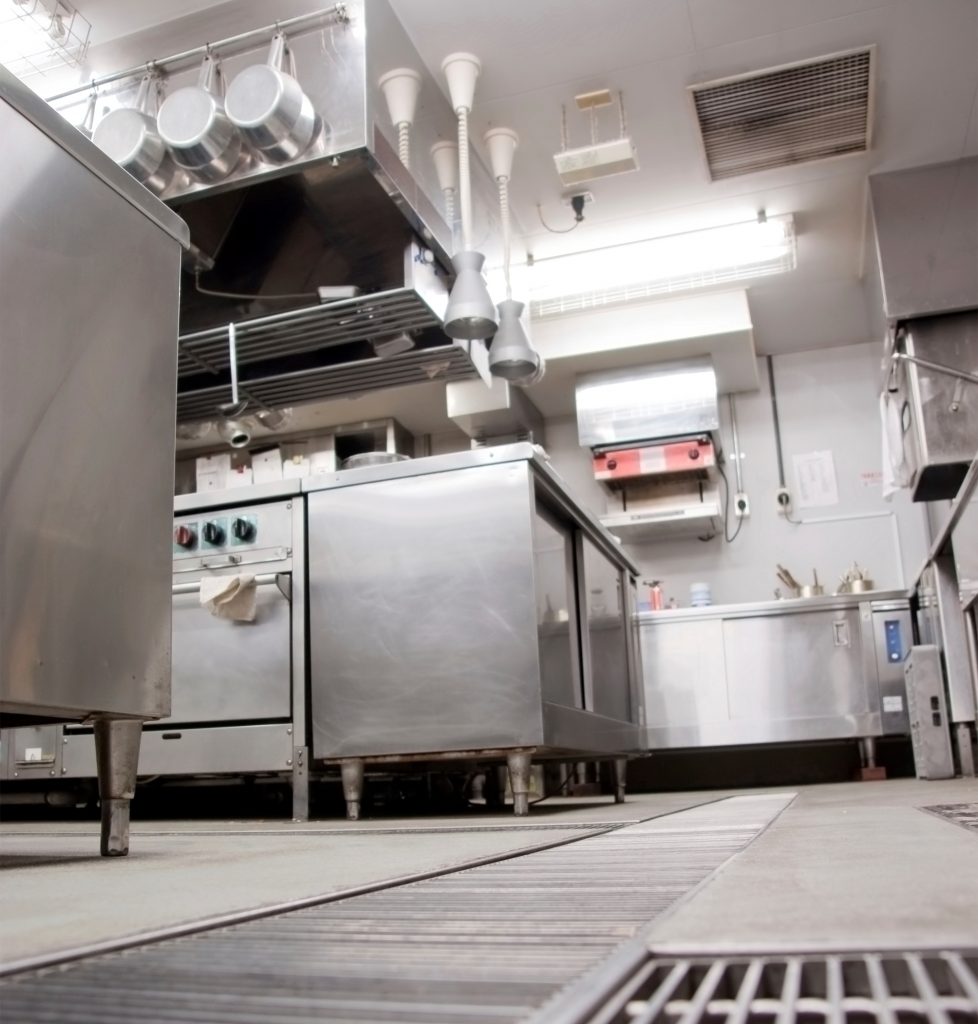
776	672
445	596
89	283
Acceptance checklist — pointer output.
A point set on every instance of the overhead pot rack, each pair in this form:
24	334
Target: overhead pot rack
345	213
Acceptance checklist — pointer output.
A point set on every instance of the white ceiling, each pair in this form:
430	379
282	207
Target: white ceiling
538	54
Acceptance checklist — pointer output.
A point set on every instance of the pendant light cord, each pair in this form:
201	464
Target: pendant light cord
503	185
404	143
464	182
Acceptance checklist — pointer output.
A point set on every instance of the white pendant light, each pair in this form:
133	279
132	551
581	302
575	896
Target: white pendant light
400	88
511	356
470	313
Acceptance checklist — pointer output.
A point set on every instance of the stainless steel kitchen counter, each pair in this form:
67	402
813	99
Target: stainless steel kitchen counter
777	671
787	606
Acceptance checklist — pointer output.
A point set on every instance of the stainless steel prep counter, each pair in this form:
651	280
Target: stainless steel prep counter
776	671
465	607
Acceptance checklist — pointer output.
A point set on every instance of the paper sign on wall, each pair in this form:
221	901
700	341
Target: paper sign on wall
815	476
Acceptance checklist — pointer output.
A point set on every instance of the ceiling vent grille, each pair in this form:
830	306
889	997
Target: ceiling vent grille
812	110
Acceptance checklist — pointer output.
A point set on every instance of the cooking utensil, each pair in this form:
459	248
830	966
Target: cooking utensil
270	108
129	135
787	579
193	124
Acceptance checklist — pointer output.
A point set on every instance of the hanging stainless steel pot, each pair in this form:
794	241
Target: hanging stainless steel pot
270	108
129	135
197	131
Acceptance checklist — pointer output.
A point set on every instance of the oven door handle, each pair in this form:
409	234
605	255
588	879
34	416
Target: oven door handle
282	580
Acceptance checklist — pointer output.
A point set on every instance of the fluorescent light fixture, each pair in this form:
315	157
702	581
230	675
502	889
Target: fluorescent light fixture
38	36
661	266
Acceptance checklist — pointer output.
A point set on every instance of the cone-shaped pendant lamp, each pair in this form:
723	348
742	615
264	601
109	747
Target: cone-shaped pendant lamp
511	356
470	313
400	88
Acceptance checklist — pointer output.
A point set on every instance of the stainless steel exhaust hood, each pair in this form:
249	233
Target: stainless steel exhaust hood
346	212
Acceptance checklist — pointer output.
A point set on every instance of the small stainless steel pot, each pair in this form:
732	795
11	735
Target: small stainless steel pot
197	131
270	108
129	135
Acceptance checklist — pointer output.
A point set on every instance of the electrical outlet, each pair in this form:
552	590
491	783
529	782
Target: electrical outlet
741	505
783	498
568	196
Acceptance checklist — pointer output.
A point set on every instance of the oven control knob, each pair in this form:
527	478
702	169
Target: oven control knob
184	537
213	534
243	530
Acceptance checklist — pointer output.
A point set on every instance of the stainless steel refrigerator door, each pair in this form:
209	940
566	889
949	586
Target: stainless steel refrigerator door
421	614
89	293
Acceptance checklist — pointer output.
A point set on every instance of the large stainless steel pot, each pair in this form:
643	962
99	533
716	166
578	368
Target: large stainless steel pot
193	124
129	135
270	108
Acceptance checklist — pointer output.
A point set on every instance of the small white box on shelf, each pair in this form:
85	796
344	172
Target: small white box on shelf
213	472
297	466
267	466
240	476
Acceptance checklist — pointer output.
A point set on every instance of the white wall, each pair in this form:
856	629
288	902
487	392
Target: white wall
827	401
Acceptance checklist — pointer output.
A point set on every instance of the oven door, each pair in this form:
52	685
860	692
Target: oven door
232	671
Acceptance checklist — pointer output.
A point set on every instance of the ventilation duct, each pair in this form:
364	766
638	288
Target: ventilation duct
794	114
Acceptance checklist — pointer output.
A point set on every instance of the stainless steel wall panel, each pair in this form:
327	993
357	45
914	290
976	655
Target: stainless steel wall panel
89	293
420	592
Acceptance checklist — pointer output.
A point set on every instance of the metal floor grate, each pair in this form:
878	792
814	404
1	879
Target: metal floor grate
480	946
843	988
965	815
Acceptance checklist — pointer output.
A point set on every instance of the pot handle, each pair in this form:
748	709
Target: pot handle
211	76
148	96
278	51
88	121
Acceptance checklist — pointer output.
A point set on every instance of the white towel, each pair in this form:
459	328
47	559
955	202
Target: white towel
229	597
896	473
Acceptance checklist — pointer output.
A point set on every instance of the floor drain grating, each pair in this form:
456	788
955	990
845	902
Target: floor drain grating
480	946
843	988
965	815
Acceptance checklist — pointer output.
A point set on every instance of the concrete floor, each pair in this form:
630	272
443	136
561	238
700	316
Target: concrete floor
845	865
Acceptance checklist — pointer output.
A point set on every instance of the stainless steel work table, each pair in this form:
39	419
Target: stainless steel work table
777	671
464	607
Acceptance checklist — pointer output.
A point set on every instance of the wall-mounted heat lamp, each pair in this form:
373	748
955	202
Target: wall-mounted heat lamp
470	313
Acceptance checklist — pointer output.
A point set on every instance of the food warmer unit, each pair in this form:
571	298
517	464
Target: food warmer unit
89	281
464	608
